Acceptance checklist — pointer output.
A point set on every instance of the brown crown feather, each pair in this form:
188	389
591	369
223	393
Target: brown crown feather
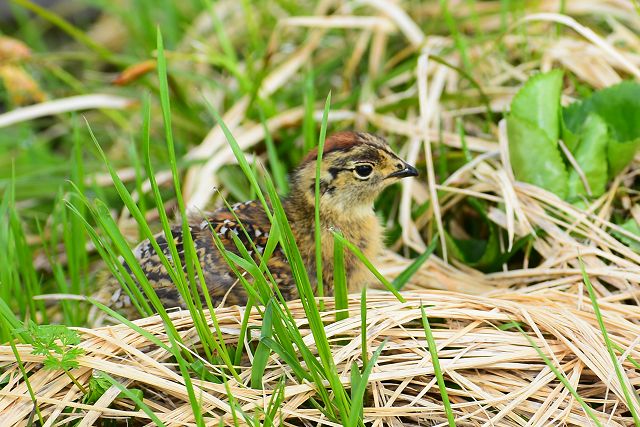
339	141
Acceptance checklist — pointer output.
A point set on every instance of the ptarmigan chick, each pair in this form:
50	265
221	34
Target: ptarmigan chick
355	168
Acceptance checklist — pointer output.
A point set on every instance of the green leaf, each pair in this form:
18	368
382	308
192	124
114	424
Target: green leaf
45	338
69	358
591	156
477	253
287	357
618	106
98	385
569	136
620	154
538	102
203	372
535	158
632	227
317	224
363	326
274	405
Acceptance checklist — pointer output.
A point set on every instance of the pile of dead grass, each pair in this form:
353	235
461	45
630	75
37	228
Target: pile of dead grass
494	375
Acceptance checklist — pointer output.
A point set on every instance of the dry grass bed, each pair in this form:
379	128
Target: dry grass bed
495	377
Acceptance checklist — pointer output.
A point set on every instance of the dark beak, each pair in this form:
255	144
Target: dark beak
405	172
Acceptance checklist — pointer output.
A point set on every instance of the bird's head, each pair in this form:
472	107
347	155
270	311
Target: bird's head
355	168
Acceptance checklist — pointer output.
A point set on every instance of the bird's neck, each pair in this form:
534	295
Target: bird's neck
358	224
300	209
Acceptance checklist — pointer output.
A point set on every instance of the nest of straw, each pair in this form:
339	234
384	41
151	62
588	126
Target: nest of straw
494	374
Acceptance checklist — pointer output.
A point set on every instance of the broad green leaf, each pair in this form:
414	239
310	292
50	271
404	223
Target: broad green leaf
618	106
620	154
538	102
573	116
632	227
569	129
534	158
591	156
481	254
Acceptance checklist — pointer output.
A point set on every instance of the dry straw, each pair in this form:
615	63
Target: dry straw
494	374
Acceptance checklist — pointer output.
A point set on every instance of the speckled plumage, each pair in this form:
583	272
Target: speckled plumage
346	204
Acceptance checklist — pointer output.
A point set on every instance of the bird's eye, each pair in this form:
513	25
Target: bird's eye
363	171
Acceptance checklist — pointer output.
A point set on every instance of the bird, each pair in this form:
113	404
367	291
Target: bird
355	168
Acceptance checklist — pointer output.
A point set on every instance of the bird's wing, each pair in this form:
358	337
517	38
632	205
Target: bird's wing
248	221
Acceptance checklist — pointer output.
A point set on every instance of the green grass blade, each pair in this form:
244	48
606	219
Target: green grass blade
12	323
140	175
317	223
277	169
363	326
287	357
133	396
340	281
458	38
23	372
261	356
357	394
277	397
308	122
183	285
232	402
406	275
433	351
110	258
561	377
123	320
244	326
358	253
187	286
610	348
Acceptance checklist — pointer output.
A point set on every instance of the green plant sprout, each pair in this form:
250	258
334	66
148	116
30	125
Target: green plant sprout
59	346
